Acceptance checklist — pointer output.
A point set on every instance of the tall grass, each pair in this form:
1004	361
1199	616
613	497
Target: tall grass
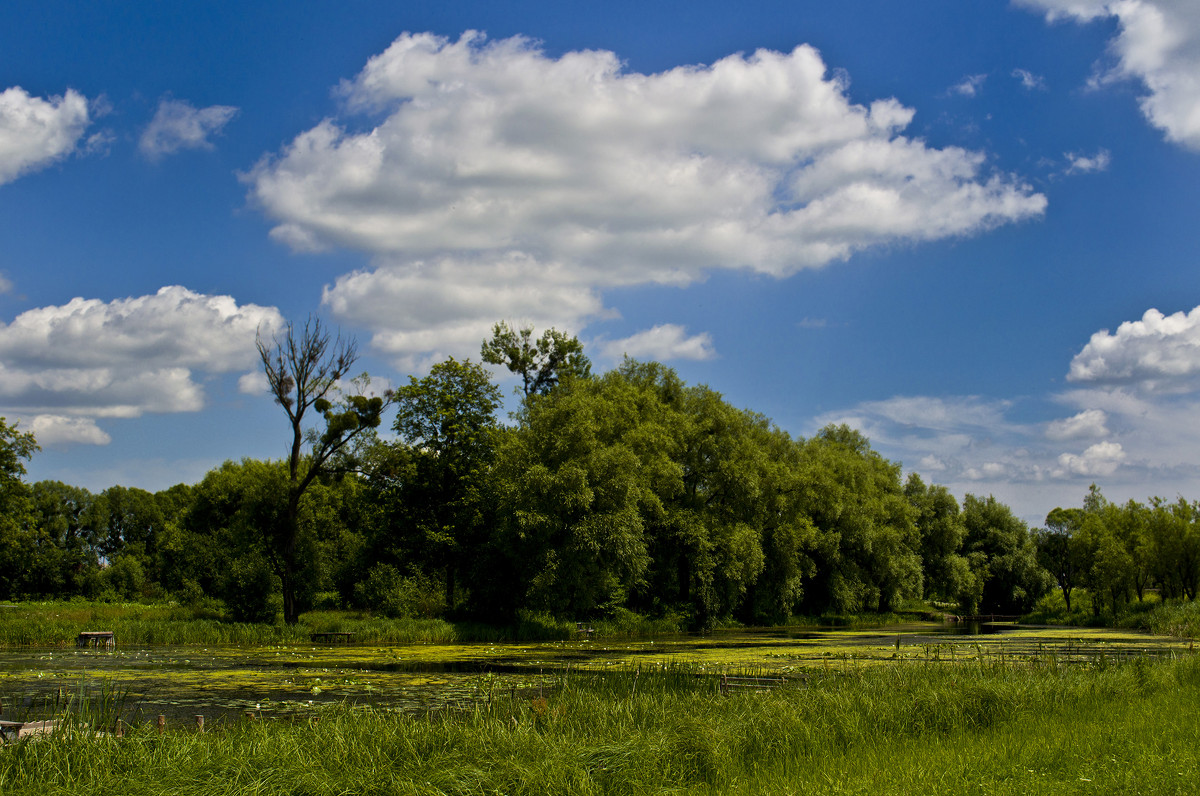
59	623
903	728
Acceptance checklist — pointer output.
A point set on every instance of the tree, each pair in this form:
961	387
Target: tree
20	541
1003	555
940	525
1060	551
540	363
448	421
303	369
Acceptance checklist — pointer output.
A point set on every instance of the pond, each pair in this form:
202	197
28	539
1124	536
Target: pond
223	683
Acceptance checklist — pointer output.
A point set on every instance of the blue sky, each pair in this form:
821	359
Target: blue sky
968	229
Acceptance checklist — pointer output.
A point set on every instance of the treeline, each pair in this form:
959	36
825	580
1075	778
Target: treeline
626	491
1117	552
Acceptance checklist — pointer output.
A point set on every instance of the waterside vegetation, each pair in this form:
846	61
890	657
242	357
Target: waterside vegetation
979	727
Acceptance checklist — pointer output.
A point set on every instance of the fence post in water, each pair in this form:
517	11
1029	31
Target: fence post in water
199	722
162	723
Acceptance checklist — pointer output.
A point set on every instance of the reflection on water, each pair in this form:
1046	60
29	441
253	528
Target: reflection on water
224	682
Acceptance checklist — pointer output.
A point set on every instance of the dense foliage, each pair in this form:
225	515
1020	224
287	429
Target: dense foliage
628	491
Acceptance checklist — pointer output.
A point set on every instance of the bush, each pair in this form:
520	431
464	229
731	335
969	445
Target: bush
252	590
388	592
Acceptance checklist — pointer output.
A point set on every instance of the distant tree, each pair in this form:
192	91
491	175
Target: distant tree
303	369
540	363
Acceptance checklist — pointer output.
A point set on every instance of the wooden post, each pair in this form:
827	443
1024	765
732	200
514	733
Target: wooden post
199	722
119	731
162	723
250	715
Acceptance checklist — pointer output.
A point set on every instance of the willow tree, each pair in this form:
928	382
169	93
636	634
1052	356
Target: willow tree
303	369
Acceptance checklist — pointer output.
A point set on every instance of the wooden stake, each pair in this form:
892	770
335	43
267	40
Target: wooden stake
120	729
162	723
199	722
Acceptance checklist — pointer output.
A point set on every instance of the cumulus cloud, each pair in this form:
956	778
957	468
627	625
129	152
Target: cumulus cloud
179	125
426	309
1157	352
664	342
35	132
51	430
1089	423
1157	44
1029	81
493	156
1099	459
1078	163
89	358
969	86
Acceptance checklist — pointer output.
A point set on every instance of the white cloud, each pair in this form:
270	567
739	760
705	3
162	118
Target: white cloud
88	358
970	85
1158	44
60	430
1099	459
488	157
6	284
427	309
1089	423
1157	352
35	132
1029	81
664	342
1084	164
178	125
253	383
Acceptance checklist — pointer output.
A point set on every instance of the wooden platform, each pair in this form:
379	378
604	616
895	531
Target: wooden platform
332	638
96	638
16	730
731	684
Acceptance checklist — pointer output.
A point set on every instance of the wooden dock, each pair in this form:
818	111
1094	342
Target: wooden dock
16	730
96	638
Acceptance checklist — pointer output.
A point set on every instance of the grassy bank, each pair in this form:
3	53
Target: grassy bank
1178	619
58	624
903	728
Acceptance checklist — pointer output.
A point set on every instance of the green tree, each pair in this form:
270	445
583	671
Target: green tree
24	548
574	485
447	421
867	551
940	526
1003	556
540	363
303	369
1061	552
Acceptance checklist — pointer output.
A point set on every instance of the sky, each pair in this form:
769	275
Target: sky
967	229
